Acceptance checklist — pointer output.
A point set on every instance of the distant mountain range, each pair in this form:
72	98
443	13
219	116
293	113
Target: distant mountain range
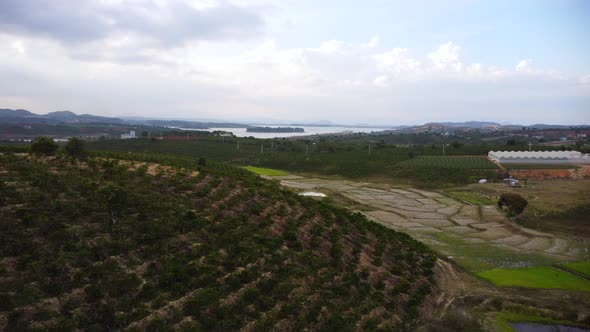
21	116
468	124
488	125
24	116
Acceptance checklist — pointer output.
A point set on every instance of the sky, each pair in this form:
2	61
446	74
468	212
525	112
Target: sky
373	62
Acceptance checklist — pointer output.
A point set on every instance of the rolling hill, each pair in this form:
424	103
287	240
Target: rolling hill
111	245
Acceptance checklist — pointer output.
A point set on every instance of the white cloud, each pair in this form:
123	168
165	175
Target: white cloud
584	80
446	56
18	46
524	66
372	43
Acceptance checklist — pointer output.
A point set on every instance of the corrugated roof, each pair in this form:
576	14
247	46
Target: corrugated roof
536	154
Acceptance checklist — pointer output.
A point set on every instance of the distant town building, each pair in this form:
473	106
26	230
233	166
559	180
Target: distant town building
130	135
539	157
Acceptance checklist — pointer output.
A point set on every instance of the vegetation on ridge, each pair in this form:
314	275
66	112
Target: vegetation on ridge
109	245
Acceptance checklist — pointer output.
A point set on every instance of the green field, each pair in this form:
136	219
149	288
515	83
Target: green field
535	277
481	257
265	171
582	267
459	162
351	160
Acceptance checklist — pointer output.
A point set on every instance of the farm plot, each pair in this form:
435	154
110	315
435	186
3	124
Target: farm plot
535	277
265	171
581	267
478	238
456	162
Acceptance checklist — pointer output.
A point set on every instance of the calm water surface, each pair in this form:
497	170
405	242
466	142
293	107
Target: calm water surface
530	327
241	132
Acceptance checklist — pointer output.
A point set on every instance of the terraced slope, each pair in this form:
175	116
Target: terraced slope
477	237
105	246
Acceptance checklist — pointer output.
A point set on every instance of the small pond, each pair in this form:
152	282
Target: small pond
312	194
531	327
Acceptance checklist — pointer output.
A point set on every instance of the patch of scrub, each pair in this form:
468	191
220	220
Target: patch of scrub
535	277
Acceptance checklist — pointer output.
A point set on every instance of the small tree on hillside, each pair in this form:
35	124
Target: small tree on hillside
75	148
43	145
114	198
513	203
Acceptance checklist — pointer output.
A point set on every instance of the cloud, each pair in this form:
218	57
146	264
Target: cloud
524	66
18	46
163	23
334	79
584	80
446	56
373	42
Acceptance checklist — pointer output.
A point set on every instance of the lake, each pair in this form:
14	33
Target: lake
308	130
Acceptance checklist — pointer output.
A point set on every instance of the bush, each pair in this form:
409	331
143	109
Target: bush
43	145
513	203
75	148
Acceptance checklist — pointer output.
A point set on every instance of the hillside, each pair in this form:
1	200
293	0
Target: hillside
106	245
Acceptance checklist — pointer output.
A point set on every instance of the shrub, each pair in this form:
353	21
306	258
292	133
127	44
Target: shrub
75	148
43	145
513	203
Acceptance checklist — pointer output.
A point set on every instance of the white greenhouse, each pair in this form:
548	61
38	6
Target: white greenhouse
539	157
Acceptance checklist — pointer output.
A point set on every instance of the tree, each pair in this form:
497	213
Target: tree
114	198
75	148
43	145
513	203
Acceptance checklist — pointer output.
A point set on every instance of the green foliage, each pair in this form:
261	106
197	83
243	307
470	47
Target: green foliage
218	251
75	148
43	145
513	203
422	165
459	162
